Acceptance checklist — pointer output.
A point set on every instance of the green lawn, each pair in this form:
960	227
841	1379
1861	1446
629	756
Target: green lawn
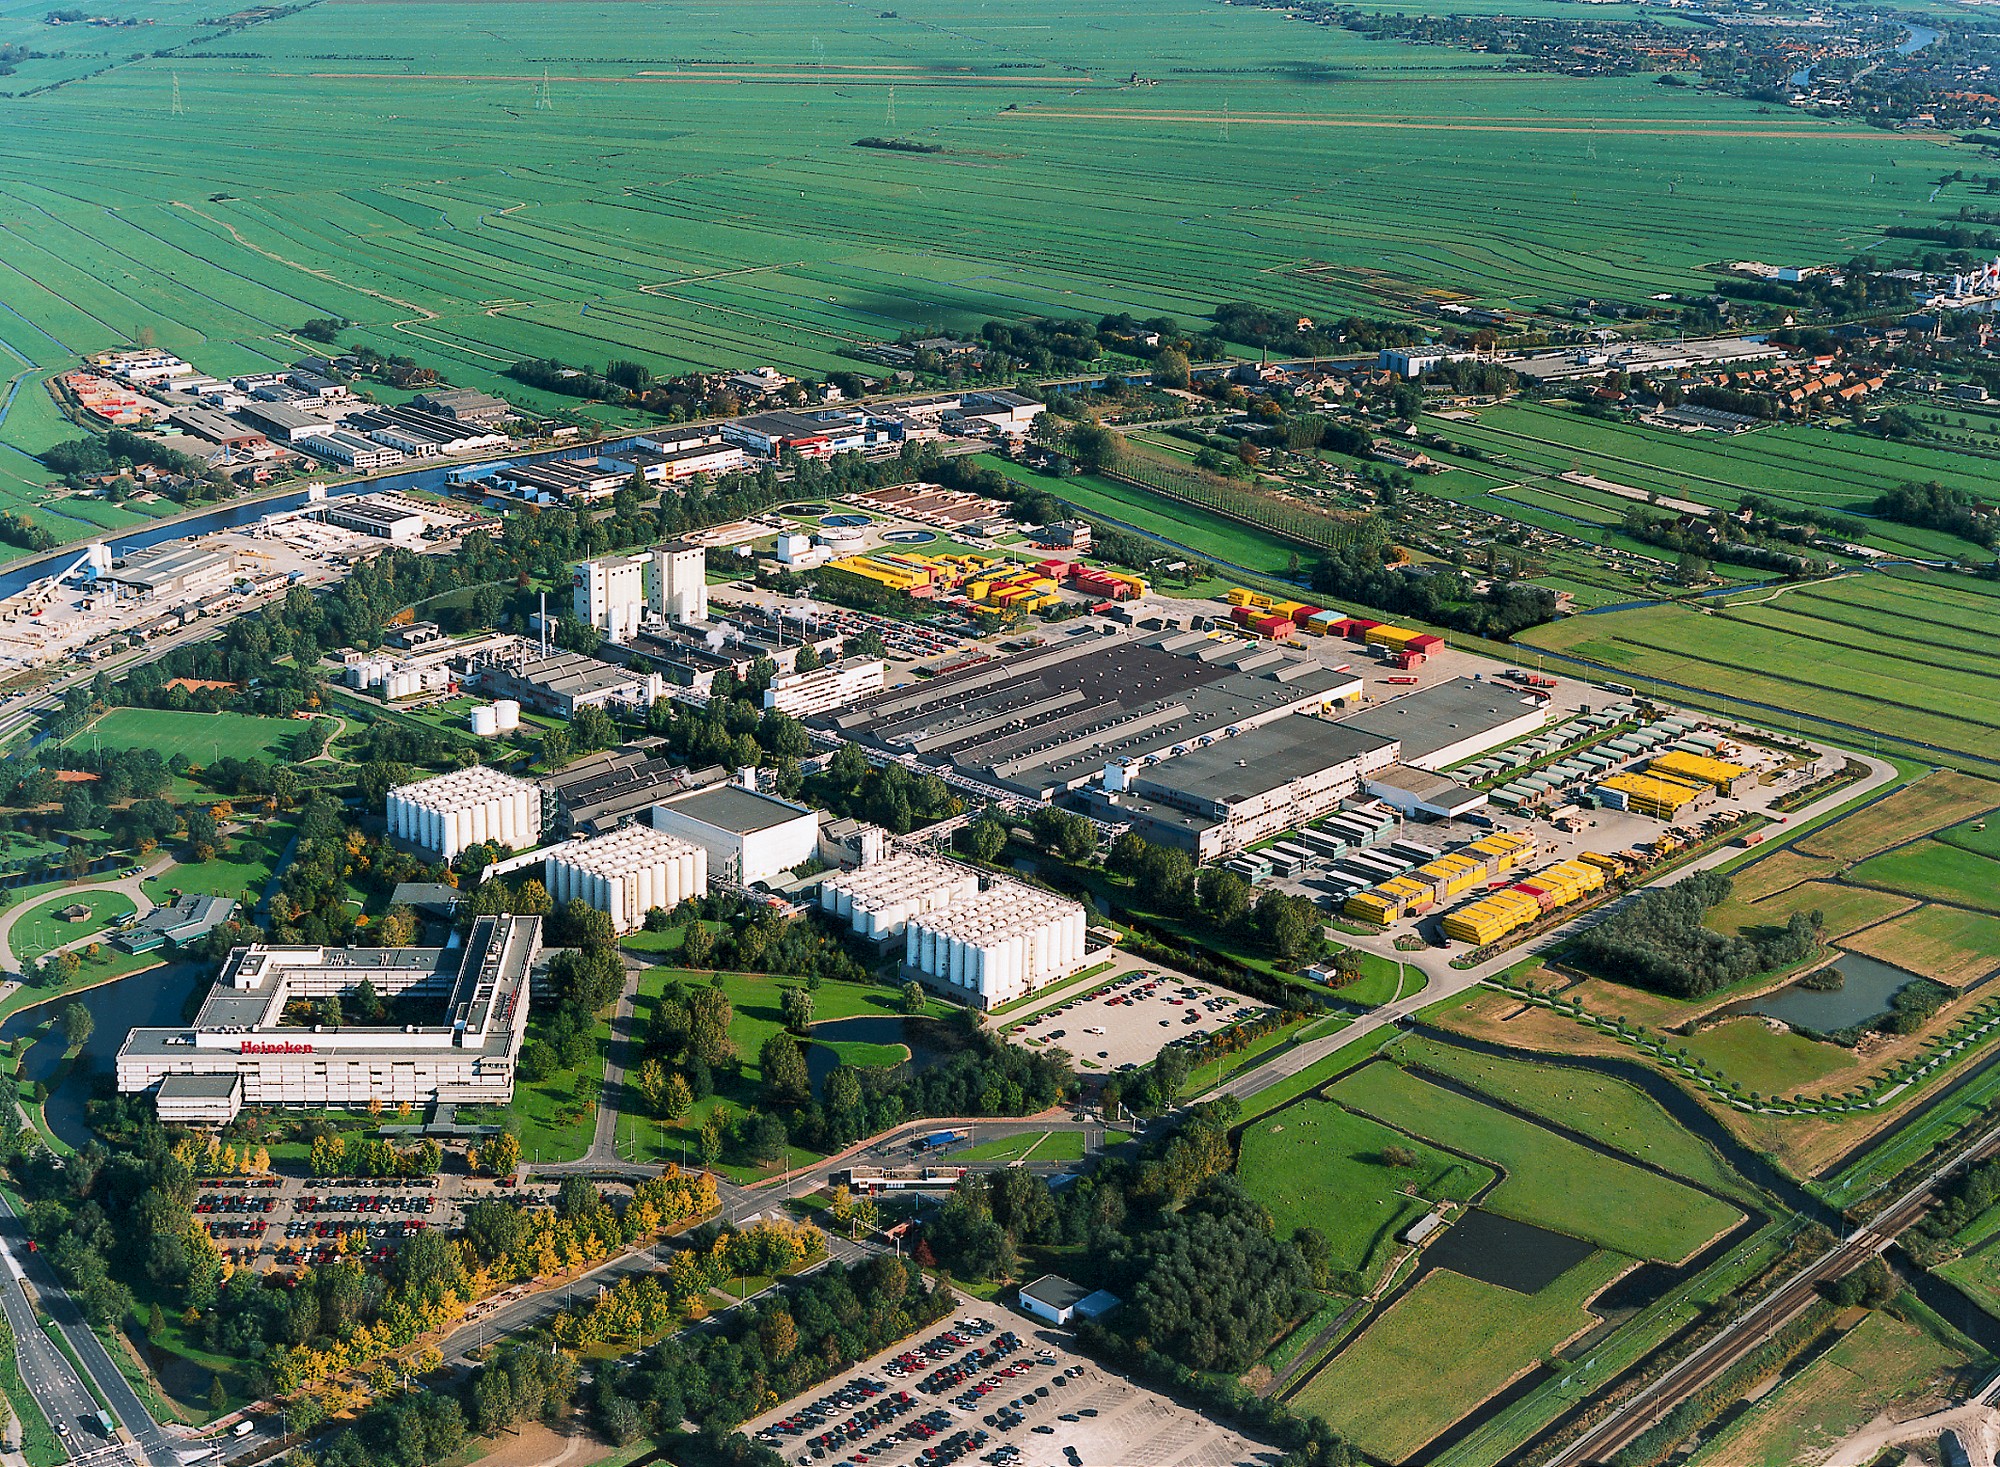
1552	1182
203	737
1028	1146
1383	980
1620	1115
1980	836
38	930
241	870
1317	1165
1441	1349
1767	1061
1937	872
757	1016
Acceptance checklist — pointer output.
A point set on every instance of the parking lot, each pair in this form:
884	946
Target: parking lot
991	1387
1128	1017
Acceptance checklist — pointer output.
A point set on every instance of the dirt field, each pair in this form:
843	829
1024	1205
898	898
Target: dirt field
1940	942
1942	797
1776	872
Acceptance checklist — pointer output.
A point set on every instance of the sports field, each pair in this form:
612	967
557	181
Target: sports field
1442	1349
203	737
1317	1165
685	190
1550	1181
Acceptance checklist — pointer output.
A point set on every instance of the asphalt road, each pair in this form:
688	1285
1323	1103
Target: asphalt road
66	1401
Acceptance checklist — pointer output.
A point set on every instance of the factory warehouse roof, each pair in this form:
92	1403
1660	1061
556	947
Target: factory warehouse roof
1446	715
732	808
470	785
1050	719
1248	764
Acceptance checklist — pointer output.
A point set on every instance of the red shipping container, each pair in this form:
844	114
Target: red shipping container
1241	615
1305	614
1425	644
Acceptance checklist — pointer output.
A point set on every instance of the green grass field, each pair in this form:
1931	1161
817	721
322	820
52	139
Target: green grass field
1550	1181
1887	1361
203	737
1315	1164
38	930
624	219
1607	1110
1937	872
1802	652
1442	1349
1767	1062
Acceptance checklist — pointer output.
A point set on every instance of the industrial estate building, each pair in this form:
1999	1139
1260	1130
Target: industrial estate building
444	815
1453	721
173	571
826	689
993	948
1229	792
1047	721
563	682
628	872
616	593
602	791
982	947
749	837
878	900
239	1051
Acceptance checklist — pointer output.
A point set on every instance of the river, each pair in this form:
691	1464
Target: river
1918	38
237	513
156	998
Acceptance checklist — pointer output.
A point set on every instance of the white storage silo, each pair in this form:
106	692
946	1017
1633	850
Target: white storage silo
485	721
508	712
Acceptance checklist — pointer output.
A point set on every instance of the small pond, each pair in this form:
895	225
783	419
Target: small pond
157	998
922	1038
1863	995
1515	1255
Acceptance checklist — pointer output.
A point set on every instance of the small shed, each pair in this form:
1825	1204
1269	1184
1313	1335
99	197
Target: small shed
1055	1299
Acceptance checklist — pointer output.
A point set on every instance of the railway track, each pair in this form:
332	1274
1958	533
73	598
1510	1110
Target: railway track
1687	1378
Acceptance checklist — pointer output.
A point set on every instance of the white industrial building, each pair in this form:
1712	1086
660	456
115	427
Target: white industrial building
826	689
629	872
1451	722
880	899
749	837
443	816
240	1050
615	593
1004	943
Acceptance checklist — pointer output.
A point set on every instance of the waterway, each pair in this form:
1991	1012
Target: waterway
237	513
920	1039
156	998
1918	38
1863	995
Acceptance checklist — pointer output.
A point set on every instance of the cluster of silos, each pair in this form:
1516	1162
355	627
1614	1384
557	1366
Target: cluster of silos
879	900
628	872
1007	941
443	816
500	716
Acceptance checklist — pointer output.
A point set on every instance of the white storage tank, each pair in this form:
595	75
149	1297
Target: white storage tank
508	712
485	721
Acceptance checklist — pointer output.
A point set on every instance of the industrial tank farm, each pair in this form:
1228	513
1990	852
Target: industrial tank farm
443	816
